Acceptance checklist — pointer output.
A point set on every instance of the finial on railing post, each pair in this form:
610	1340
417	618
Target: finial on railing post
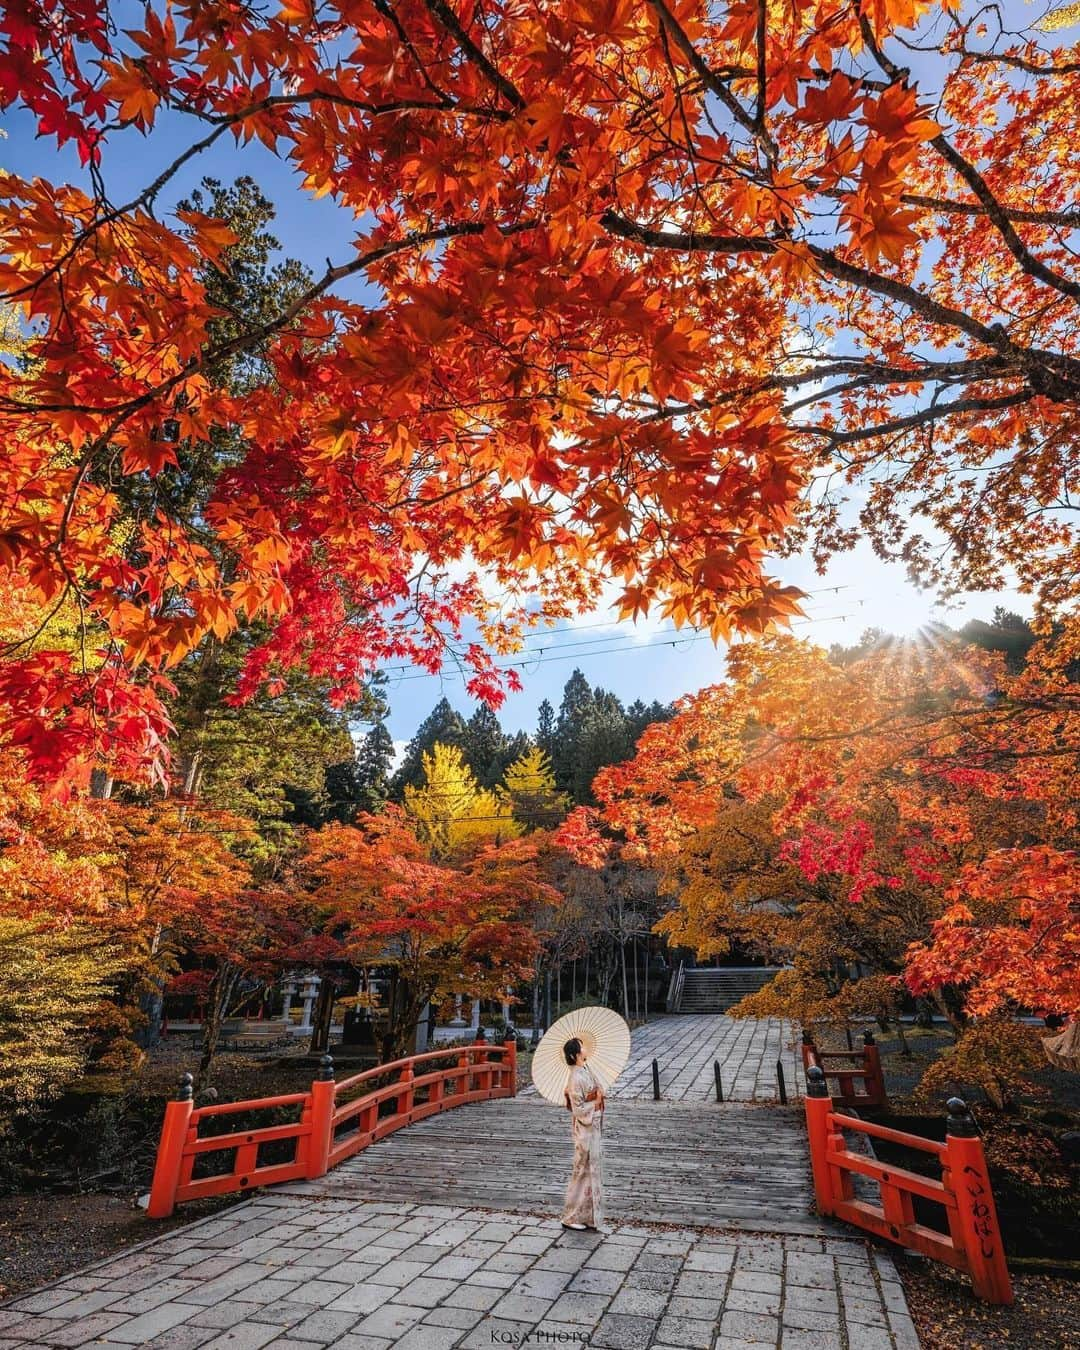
326	1069
186	1090
815	1082
960	1123
868	1036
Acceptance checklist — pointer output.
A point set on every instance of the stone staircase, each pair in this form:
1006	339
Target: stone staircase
715	989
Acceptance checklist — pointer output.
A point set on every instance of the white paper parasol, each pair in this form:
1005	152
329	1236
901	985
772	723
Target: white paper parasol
604	1037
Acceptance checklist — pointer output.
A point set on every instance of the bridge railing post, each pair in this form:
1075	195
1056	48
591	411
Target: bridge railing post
966	1176
170	1154
874	1077
321	1096
510	1063
404	1103
818	1105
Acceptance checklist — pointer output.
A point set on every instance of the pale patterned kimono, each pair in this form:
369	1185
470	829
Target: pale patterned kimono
584	1192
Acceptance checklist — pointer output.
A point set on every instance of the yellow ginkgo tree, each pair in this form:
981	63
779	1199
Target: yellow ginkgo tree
451	813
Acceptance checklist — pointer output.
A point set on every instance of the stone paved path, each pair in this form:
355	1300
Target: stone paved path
685	1046
294	1273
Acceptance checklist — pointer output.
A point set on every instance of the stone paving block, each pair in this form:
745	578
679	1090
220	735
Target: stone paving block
445	1316
686	1331
752	1327
700	1284
470	1247
182	1337
515	1307
244	1336
512	1262
809	1319
758	1281
870	1338
903	1329
547	1284
425	1292
651	1261
810	1340
651	1279
561	1257
697	1309
362	1298
91	1328
281	1314
639	1302
225	1315
584	1308
532	1246
319	1292
619	1332
164	1291
354	1342
865	1312
41	1302
472	1297
82	1304
589	1281
453	1267
324	1326
620	1258
227	1286
493	1279
150	1324
426	1337
397	1274
750	1301
713	1263
817	1300
390	1321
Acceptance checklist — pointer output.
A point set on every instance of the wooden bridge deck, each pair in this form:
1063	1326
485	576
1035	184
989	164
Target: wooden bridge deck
692	1163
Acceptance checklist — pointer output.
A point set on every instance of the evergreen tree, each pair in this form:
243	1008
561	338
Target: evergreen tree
640	715
576	704
545	729
604	739
374	759
443	726
484	746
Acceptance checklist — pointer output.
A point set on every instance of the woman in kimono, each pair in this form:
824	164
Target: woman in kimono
585	1100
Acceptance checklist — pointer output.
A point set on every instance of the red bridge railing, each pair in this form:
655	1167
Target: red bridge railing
849	1068
972	1242
330	1128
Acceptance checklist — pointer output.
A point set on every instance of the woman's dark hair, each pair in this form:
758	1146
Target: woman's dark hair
572	1049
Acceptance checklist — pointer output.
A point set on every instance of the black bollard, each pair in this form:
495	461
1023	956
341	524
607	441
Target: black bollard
655	1081
719	1085
781	1085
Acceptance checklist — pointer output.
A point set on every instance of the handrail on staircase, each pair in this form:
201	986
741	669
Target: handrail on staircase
675	989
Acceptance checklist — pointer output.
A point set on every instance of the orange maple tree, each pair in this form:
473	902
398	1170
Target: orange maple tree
912	809
440	929
648	282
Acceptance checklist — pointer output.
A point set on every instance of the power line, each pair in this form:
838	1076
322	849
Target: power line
542	658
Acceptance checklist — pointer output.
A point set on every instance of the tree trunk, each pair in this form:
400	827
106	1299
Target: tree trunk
547	997
558	989
535	1037
625	986
221	992
573	981
637	987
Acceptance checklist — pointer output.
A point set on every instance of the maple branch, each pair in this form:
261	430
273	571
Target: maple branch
452	24
1033	266
934	413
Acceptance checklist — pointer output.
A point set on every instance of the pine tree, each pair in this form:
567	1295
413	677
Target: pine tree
576	703
545	729
604	739
374	760
484	746
443	726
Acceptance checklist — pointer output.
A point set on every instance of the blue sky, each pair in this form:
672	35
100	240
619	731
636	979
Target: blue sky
647	661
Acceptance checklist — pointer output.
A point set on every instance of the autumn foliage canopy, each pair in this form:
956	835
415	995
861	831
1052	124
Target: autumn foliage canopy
646	283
